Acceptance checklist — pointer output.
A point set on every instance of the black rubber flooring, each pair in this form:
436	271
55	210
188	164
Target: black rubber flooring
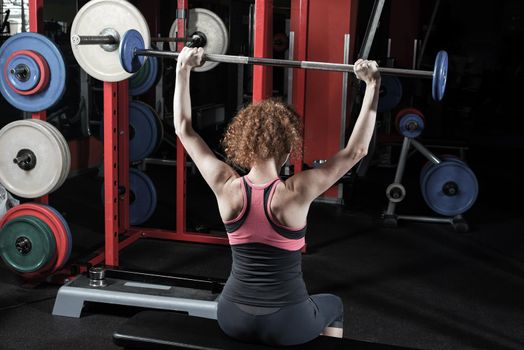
419	285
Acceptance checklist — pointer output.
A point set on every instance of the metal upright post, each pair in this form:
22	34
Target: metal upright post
111	172
36	25
263	76
182	12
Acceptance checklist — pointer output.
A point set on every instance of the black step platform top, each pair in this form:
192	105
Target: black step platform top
171	330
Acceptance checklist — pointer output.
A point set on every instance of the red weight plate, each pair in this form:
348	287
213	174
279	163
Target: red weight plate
405	111
42	65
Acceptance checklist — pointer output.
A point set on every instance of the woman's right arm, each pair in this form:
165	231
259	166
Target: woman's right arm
215	172
308	185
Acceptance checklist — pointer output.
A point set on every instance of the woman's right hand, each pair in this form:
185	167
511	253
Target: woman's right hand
190	57
367	71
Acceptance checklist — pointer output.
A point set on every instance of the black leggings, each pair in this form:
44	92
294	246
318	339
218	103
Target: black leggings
290	325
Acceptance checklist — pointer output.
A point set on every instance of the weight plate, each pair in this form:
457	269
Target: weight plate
28	135
440	76
33	66
210	24
47	216
145	78
411	125
44	97
143	199
28	244
390	93
132	41
67	229
449	188
65	151
143	131
441	157
97	16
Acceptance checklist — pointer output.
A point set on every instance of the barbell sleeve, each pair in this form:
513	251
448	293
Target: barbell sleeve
94	40
336	67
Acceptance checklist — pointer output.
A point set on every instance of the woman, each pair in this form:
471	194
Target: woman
265	299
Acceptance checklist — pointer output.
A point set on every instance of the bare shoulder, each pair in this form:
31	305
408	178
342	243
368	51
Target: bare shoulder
287	206
231	199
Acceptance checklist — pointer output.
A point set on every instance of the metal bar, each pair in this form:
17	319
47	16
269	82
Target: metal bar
263	76
337	67
110	40
93	40
299	25
426	219
169	40
290	55
99	256
111	172
344	104
123	154
432	158
400	172
402	161
371	29
182	5
36	16
36	24
428	31
345	83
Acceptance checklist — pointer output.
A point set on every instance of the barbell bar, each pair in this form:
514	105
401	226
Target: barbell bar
132	49
197	39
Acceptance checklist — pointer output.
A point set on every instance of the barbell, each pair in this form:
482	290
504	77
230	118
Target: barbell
130	33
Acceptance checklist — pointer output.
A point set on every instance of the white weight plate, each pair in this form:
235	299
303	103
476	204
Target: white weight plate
47	173
92	19
209	23
65	151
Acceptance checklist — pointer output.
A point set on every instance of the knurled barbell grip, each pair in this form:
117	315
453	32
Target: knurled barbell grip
338	67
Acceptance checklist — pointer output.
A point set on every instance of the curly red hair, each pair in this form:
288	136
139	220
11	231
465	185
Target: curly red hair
263	130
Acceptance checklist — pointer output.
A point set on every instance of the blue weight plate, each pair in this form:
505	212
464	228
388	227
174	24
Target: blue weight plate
143	199
131	41
32	80
145	78
54	91
68	230
406	122
440	76
390	93
143	129
438	176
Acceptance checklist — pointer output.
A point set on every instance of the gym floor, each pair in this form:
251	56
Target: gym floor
420	285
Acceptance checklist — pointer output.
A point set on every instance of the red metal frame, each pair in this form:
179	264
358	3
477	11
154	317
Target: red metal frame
263	47
36	24
318	40
118	233
180	152
299	22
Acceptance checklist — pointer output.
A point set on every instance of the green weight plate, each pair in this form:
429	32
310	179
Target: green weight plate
27	244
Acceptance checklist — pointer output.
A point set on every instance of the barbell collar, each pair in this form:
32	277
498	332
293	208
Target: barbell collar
337	67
